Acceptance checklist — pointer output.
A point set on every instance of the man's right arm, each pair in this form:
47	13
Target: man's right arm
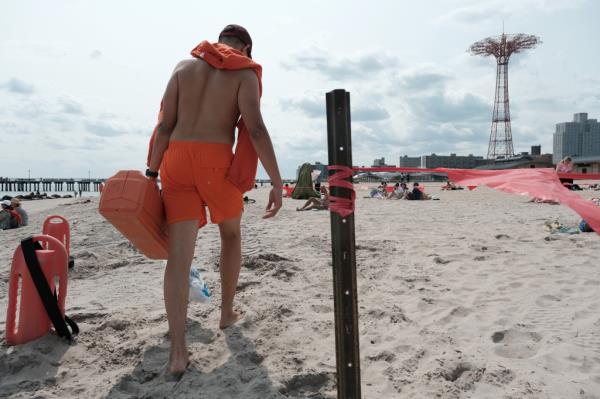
249	105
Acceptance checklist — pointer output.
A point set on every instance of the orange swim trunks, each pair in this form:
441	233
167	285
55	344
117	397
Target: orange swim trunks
193	174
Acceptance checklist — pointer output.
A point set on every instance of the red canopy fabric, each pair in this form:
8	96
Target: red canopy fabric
540	183
537	183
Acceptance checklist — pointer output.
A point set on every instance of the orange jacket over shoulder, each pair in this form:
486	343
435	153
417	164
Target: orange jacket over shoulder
245	160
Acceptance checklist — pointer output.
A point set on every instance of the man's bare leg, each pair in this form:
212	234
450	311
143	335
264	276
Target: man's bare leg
182	242
230	263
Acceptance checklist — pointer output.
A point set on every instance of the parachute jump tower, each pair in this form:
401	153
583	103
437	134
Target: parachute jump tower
502	47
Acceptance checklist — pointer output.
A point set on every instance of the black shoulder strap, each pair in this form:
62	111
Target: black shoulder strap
48	299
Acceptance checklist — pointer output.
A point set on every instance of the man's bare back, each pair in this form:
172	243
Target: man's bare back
207	108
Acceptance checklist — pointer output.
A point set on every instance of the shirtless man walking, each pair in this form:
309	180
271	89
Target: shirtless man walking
193	149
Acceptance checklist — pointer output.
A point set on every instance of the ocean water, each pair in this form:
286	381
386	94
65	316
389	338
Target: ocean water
61	193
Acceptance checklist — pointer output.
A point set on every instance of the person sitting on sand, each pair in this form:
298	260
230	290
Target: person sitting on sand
287	190
390	194
16	205
400	191
416	194
320	204
565	166
5	216
14	219
379	192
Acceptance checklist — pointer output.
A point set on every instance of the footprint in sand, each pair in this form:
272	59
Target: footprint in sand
302	385
545	301
516	344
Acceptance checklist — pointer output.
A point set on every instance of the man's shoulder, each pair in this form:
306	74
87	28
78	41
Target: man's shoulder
247	73
187	64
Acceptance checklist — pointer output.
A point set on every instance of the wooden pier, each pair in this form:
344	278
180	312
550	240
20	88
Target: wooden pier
50	185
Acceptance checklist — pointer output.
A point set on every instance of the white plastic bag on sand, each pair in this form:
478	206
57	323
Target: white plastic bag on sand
199	291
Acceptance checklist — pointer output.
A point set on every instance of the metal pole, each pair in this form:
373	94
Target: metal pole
343	251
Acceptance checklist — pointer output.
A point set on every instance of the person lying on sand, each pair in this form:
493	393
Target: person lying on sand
451	186
319	204
192	146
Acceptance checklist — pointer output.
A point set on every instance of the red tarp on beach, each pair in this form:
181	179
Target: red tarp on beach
540	183
536	183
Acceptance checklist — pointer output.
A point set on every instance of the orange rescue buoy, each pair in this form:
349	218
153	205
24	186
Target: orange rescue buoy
132	203
58	227
30	321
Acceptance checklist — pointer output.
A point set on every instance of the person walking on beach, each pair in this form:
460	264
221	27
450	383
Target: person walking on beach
192	148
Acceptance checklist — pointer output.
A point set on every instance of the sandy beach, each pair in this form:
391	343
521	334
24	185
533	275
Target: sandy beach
466	297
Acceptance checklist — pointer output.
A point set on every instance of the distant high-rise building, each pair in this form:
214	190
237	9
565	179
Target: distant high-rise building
536	150
380	162
579	140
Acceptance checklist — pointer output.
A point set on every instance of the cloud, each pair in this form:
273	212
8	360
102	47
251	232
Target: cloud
358	66
441	108
491	11
71	107
423	79
311	107
15	85
370	113
315	108
103	129
96	54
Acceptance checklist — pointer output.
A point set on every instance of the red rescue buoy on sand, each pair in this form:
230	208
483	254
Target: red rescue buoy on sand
30	321
132	203
58	227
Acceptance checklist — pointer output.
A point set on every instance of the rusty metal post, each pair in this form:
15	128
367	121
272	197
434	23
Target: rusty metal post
343	251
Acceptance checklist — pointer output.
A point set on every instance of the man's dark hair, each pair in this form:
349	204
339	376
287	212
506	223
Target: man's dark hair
236	36
232	41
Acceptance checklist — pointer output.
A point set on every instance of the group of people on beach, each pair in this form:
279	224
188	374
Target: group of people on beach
400	191
12	215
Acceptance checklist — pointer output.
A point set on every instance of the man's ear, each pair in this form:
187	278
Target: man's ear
245	49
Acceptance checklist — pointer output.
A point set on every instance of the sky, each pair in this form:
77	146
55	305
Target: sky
81	81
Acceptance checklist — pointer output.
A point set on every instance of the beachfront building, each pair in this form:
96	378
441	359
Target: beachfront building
451	161
409	162
442	161
535	159
579	139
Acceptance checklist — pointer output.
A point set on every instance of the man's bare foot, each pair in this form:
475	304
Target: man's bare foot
179	361
230	319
